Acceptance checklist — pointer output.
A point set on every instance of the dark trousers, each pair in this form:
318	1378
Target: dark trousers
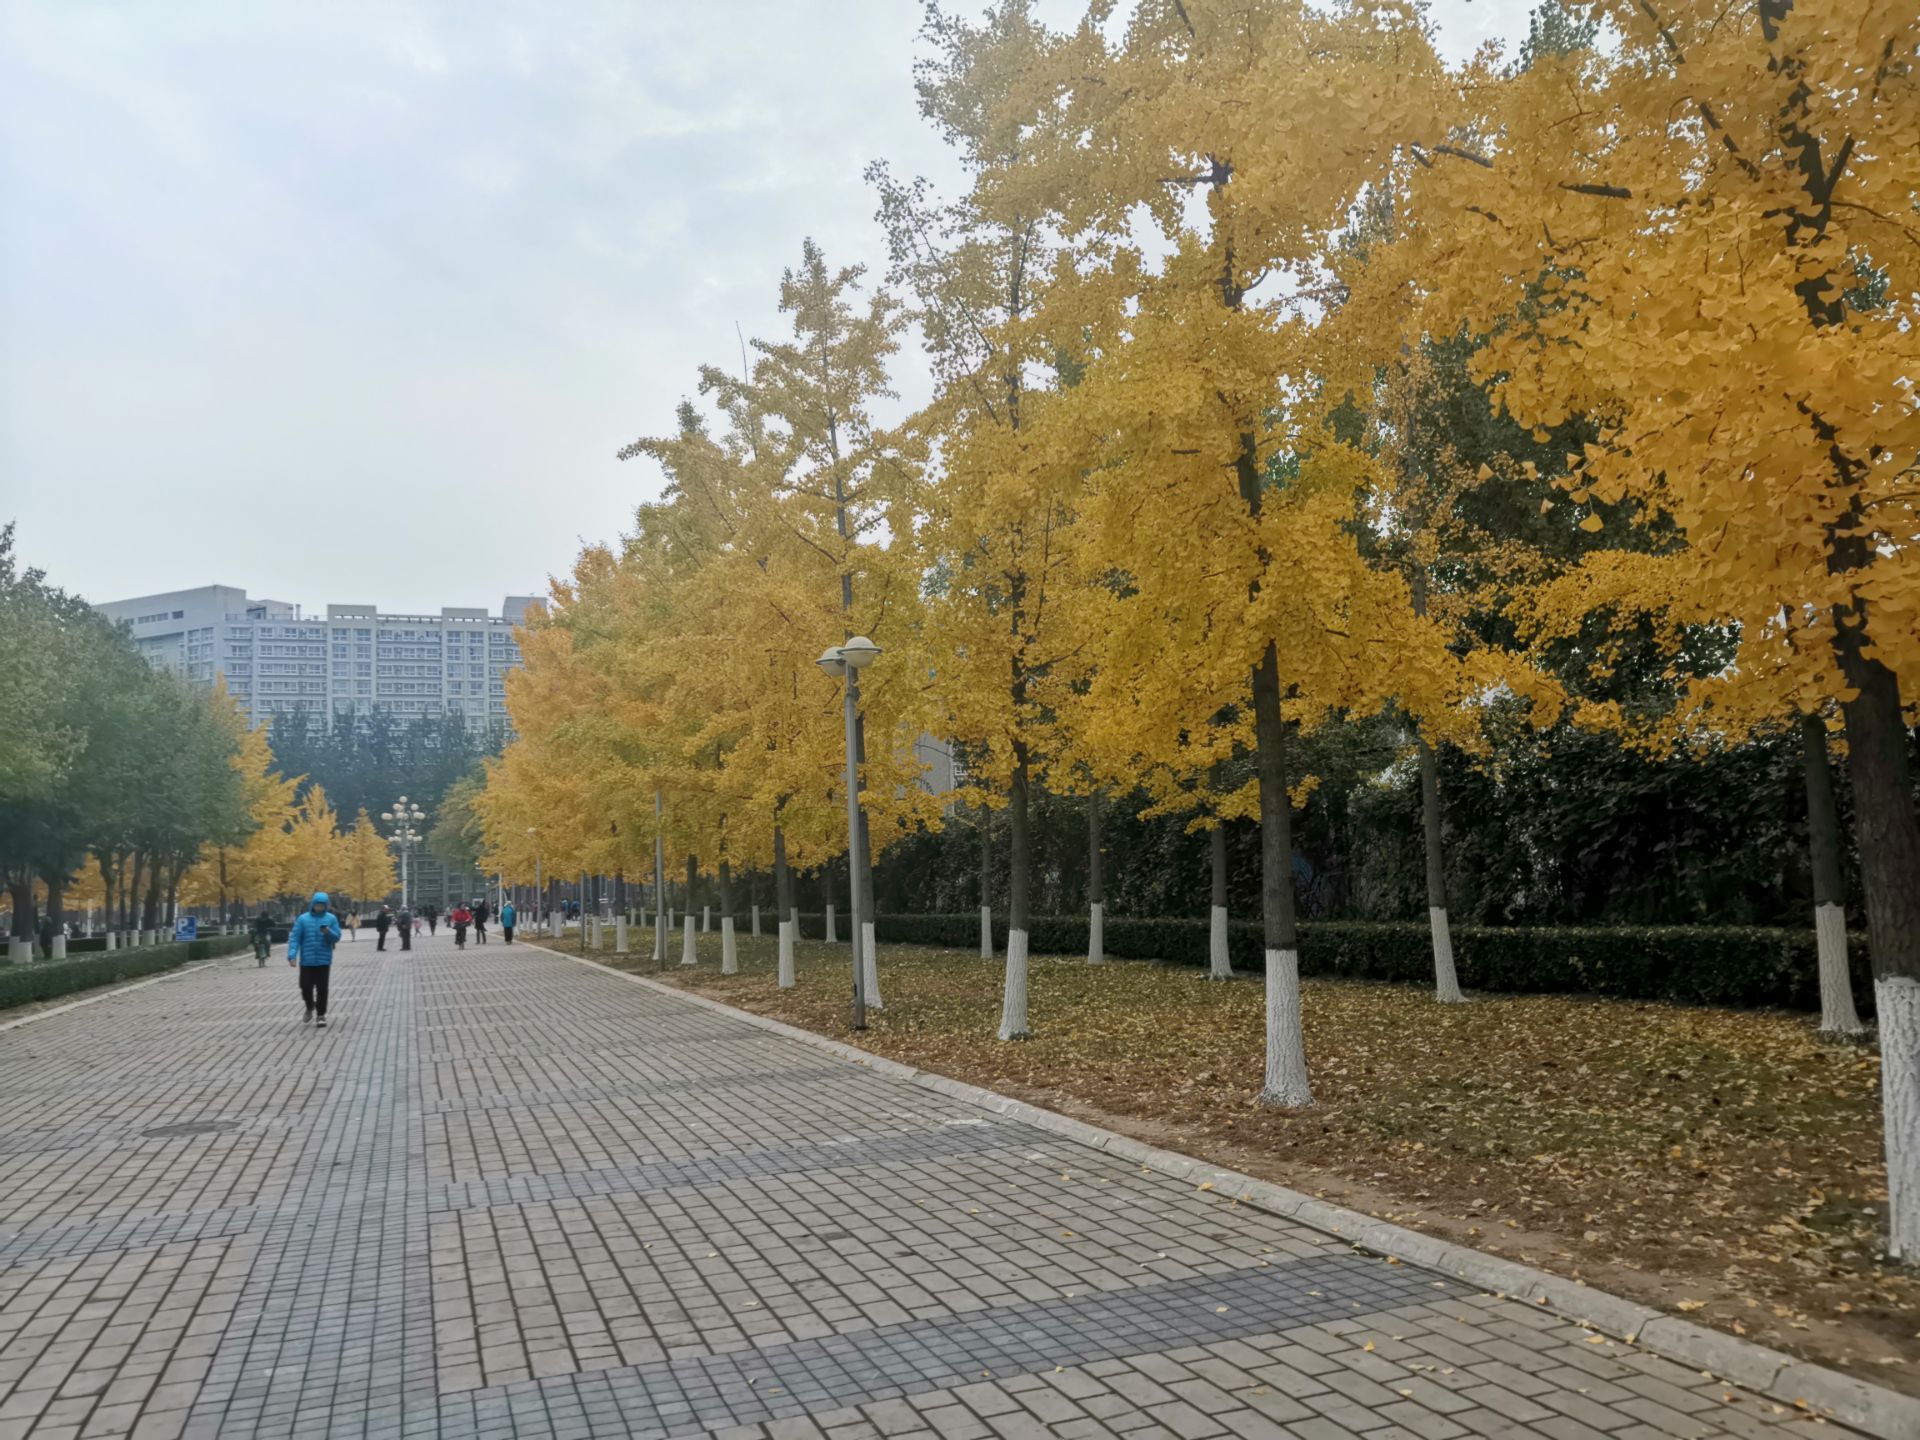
507	930
382	933
480	931
313	987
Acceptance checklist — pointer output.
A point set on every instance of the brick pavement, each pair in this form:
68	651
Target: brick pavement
508	1195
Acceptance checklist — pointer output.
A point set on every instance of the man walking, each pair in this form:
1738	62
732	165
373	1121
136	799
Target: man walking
310	944
507	917
382	923
262	936
481	910
406	927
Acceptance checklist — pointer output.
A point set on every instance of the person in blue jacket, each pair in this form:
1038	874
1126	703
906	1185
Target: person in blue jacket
508	918
310	946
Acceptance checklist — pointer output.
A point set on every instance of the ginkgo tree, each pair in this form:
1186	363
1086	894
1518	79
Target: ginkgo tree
1703	234
1246	135
996	511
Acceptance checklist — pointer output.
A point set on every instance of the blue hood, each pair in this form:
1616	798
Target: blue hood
320	897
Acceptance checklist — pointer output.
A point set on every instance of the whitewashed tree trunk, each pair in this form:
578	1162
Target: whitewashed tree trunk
832	938
112	940
1220	965
787	928
686	947
19	950
986	932
729	950
706	919
1096	886
1286	1082
1838	1016
1446	980
1897	997
59	950
1013	1006
1446	983
870	967
620	935
754	921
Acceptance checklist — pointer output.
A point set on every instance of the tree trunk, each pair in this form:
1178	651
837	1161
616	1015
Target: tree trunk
1013	1007
826	899
1838	1016
1286	1075
1096	886
109	886
23	907
1220	960
1446	983
869	962
729	951
620	894
150	910
986	883
1888	835
860	873
783	904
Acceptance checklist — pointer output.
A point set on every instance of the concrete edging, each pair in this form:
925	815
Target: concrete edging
1852	1401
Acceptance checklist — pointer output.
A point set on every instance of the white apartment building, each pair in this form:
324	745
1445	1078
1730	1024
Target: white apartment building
351	662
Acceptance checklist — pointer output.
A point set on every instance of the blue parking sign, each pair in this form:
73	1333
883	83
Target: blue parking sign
187	927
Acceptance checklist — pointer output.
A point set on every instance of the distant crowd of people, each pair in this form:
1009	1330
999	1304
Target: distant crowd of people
315	932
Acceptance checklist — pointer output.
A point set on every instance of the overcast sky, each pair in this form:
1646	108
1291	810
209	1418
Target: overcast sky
356	301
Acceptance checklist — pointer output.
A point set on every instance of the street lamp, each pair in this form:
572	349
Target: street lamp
406	815
846	661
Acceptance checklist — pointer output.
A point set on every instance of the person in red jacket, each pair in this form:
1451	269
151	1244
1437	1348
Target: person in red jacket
461	918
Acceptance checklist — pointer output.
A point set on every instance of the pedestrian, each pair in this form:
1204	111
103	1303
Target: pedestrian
382	923
432	912
480	912
353	926
262	936
507	917
407	922
310	942
460	918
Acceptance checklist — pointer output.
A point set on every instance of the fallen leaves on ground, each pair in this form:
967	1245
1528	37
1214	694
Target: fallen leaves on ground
1659	1151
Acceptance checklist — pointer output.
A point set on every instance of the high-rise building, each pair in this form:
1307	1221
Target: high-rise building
351	662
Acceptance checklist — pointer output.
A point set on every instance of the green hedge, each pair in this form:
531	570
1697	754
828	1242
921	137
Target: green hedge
49	979
1702	965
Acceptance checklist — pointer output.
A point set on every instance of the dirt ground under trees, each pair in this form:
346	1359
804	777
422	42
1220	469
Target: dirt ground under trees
1722	1164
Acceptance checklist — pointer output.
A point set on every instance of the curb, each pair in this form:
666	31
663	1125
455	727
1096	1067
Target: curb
1861	1404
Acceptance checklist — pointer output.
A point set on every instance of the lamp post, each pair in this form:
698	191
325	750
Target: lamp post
405	815
846	661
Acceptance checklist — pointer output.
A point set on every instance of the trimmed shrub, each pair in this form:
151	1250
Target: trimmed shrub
1739	966
49	979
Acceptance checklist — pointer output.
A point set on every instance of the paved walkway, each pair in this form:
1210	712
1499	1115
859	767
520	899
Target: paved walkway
507	1194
